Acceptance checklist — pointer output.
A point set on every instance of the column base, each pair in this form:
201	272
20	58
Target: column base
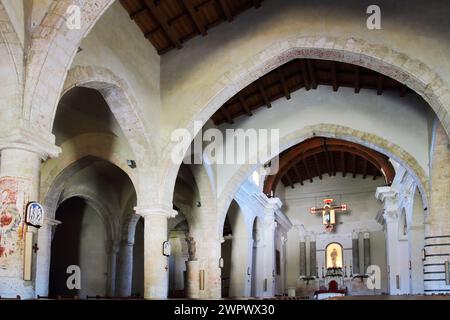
192	284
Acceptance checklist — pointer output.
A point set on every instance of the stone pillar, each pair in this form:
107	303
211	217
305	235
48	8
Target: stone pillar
355	253
112	250
392	250
302	258
366	242
21	156
124	282
45	238
192	279
125	269
156	265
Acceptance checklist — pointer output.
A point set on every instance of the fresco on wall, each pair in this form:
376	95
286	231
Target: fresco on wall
12	202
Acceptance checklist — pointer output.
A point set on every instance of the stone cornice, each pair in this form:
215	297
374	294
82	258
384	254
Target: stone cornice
283	220
24	139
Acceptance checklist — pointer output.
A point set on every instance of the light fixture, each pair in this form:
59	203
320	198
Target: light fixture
131	164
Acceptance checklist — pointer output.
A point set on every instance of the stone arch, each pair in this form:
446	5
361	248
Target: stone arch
413	73
331	131
121	102
52	49
69	163
11	64
101	209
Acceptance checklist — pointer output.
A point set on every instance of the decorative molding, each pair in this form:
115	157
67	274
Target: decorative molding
24	139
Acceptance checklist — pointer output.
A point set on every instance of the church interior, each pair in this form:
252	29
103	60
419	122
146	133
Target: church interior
224	149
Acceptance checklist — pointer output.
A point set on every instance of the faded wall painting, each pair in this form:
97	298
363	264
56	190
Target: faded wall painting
12	204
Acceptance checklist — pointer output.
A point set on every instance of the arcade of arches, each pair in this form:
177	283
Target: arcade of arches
352	199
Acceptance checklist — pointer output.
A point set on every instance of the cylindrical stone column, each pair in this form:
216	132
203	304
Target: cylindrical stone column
355	253
437	227
112	250
156	264
19	184
192	279
125	269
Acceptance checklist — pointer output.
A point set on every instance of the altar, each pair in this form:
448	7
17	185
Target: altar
333	284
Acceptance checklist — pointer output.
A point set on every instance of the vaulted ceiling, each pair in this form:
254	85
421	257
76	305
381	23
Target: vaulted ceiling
308	74
319	156
167	24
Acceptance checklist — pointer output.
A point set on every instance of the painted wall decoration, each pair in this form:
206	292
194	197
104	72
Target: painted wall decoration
12	204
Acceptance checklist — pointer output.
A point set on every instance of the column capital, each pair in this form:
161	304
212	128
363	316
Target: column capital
27	140
156	211
383	193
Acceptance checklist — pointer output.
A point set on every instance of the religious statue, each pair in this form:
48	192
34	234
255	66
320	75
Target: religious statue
333	256
191	248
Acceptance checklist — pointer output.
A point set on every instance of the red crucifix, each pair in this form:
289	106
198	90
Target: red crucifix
329	213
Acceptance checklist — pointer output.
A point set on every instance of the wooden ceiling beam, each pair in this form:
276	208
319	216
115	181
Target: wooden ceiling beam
333	168
289	181
138	12
226	114
262	91
308	173
354	168
299	176
364	168
286	91
312	73
244	104
193	14
226	10
344	169
319	171
357	79
305	76
328	146
380	84
334	81
154	11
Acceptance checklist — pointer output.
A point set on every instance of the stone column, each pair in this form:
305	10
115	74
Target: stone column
437	226
112	250
45	237
21	156
156	265
355	253
391	223
125	269
124	281
192	279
